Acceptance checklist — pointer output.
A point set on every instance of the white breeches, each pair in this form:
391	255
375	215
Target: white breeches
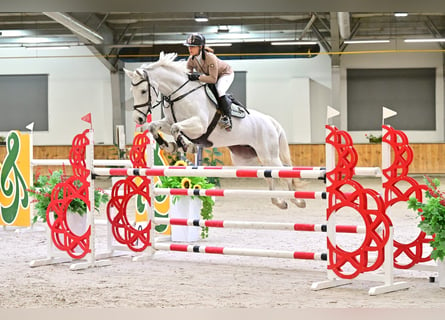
224	82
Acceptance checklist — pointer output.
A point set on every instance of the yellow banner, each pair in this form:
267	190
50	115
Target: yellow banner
15	176
161	203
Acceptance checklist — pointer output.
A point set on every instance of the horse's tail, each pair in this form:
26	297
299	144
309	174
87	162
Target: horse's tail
282	144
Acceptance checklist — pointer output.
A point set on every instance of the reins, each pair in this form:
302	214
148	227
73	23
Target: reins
171	101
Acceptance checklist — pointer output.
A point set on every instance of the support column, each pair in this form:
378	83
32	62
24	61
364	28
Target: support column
118	96
339	122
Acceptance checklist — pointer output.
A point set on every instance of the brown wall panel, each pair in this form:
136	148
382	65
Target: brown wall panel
428	157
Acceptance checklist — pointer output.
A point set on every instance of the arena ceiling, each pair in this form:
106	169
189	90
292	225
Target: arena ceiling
112	35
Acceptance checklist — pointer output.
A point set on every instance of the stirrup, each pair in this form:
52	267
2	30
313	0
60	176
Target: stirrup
226	123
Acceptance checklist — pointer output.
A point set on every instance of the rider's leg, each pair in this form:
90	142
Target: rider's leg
224	102
226	119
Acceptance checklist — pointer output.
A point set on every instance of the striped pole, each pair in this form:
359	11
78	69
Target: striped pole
210	172
358	171
319	195
241	251
240	193
258	225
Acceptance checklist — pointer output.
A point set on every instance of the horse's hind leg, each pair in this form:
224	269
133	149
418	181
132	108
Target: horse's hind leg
282	204
247	156
292	185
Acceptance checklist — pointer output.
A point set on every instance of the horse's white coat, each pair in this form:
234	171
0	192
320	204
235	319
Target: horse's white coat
258	139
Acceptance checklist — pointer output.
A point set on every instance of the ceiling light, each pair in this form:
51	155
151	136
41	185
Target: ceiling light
34	40
293	43
425	40
223	29
201	17
366	41
10	45
14	33
400	14
219	44
47	47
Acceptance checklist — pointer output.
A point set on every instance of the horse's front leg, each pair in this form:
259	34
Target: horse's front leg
162	126
193	127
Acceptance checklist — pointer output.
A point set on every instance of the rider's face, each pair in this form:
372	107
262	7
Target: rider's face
194	50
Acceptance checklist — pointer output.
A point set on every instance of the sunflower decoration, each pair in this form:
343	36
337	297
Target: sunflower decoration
191	183
186	183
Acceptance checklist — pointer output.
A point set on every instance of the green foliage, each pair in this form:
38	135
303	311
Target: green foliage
177	159
373	139
432	214
212	160
192	183
43	187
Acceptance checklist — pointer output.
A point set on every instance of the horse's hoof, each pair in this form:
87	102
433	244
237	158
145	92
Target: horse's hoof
172	147
280	204
300	203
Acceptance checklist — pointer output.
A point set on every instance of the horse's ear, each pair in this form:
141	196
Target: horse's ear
161	55
129	73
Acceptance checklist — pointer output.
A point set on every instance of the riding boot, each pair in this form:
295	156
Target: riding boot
226	119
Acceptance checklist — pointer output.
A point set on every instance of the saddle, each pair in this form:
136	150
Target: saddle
237	109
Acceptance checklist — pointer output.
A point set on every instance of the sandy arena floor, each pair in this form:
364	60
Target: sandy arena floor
191	281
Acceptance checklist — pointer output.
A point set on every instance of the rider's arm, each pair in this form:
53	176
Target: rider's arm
189	65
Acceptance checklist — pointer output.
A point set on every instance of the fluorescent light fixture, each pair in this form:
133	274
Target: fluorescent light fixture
10	45
425	40
292	43
75	26
201	17
400	14
14	33
34	40
366	41
47	47
134	45
219	44
223	28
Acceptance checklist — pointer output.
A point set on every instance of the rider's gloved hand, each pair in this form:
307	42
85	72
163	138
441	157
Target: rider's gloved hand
194	76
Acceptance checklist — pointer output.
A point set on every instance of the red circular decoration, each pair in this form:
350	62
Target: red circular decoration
137	151
77	155
414	249
346	155
76	187
403	154
375	221
123	231
77	246
395	173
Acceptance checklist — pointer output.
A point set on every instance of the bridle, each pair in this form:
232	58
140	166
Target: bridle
168	99
137	107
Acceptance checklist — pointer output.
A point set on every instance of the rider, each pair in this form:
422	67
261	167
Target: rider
210	70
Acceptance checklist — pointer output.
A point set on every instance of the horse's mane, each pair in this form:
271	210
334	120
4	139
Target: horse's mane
167	60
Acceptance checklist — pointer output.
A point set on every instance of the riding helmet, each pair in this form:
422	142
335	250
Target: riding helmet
195	39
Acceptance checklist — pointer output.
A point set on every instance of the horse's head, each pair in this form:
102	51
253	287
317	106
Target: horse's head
150	79
144	92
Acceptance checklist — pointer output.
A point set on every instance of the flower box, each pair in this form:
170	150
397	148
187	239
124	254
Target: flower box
185	208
